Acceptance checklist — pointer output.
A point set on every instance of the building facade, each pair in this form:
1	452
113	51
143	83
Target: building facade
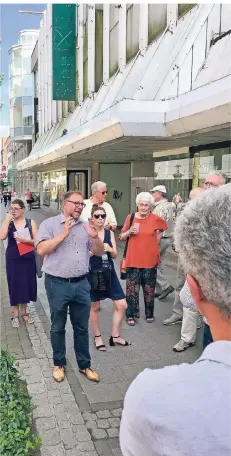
149	104
21	102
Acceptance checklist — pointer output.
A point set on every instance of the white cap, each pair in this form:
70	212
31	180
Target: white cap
159	188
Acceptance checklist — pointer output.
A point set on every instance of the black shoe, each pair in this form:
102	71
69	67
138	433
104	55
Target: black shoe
165	293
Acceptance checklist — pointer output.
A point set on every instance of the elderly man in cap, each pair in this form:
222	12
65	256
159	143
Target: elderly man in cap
164	209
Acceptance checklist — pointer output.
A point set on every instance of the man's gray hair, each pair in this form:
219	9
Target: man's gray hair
220	174
146	197
95	186
203	240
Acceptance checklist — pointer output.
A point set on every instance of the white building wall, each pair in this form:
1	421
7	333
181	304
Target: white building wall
148	54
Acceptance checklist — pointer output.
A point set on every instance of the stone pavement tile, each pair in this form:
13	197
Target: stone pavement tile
44	424
91	424
89	416
42	411
103	414
114	443
103	448
102	392
68	438
98	434
51	437
117	412
113	432
114	422
57	450
117	452
103	424
76	452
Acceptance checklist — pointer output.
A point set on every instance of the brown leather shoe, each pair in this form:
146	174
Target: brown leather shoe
90	374
58	373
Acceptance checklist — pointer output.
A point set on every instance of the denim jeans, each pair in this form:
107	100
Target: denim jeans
76	296
207	337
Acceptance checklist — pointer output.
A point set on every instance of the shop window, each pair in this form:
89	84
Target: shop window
132	35
98	48
113	40
157	20
184	8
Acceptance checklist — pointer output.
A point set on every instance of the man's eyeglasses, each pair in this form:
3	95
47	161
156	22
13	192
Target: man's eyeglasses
104	193
209	184
97	216
76	203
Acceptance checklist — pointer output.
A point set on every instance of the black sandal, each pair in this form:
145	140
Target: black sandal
99	347
112	343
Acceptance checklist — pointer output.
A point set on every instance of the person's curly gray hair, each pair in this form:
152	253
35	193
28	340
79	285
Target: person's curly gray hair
95	186
146	197
203	240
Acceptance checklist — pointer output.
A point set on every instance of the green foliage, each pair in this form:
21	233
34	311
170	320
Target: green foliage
16	437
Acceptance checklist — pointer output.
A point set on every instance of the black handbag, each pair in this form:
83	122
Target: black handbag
123	272
101	280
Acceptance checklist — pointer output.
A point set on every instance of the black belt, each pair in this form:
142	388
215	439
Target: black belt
164	237
70	280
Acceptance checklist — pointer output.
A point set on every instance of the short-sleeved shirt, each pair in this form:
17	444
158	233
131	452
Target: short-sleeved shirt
86	214
181	410
143	249
71	258
28	195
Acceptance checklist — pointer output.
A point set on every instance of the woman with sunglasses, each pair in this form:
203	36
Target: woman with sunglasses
20	269
114	292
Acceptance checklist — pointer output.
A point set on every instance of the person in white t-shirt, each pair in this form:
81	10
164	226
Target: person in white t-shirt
99	195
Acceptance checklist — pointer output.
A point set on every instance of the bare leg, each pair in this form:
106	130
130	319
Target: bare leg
26	318
94	324
15	311
120	307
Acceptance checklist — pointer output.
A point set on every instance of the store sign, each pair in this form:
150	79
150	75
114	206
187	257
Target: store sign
64	51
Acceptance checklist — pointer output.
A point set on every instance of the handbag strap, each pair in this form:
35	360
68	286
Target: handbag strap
126	244
28	222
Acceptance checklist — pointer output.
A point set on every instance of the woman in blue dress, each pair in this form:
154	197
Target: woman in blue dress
20	269
113	291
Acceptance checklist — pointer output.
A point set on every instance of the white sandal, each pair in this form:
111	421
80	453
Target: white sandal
15	322
29	320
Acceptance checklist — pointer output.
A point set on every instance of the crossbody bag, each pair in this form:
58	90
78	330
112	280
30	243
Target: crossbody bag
123	268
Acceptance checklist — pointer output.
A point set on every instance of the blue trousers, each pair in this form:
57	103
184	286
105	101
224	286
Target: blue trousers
76	296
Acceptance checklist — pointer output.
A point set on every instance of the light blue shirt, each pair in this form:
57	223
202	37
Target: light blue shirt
71	258
182	410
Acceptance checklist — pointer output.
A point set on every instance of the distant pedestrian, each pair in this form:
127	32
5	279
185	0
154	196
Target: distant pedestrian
8	198
65	243
5	199
99	195
28	196
142	230
105	284
163	208
184	409
20	268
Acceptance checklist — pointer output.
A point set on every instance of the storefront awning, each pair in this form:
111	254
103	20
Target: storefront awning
136	128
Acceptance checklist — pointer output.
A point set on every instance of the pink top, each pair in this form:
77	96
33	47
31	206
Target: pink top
28	195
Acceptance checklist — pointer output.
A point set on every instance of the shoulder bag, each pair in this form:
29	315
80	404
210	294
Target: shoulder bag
101	278
123	272
38	258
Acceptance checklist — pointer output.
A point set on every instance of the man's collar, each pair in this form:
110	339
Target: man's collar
219	352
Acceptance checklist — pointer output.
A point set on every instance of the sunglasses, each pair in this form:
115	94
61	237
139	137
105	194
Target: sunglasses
104	193
97	216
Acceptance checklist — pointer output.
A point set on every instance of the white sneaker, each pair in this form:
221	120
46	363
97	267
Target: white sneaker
173	320
182	345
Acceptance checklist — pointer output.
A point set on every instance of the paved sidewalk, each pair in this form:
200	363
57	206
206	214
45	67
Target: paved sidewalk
77	417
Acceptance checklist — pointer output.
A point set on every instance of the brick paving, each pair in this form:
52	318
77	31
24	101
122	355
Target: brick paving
77	417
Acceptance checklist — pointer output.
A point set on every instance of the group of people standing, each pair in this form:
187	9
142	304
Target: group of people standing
78	248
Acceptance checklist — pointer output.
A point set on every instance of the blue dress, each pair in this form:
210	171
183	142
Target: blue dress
115	291
21	272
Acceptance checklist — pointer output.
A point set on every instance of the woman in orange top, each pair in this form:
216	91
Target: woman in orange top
143	256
